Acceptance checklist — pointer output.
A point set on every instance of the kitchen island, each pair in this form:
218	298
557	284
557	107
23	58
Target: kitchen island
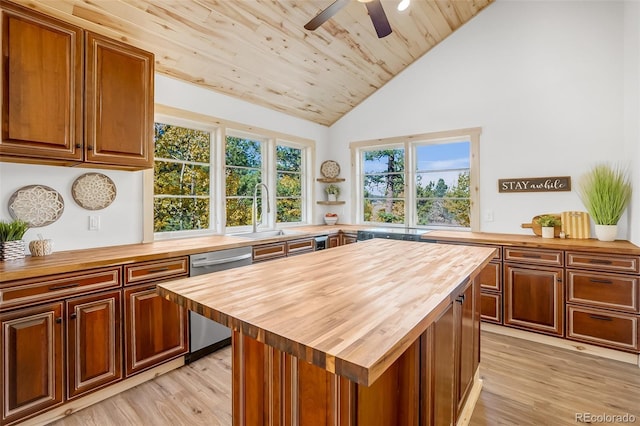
376	333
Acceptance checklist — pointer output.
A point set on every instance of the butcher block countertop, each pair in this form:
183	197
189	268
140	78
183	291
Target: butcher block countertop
533	241
352	310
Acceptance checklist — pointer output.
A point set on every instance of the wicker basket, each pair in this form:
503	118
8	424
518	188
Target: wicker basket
11	250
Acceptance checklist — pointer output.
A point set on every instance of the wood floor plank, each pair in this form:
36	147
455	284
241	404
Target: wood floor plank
525	383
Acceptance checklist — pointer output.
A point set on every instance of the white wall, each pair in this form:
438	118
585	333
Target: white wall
544	80
632	108
122	221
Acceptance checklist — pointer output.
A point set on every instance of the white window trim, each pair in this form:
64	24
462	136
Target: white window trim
407	143
218	214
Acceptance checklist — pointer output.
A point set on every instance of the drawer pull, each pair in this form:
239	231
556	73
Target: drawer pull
600	261
154	271
600	317
600	281
460	299
531	256
73	315
60	287
58	320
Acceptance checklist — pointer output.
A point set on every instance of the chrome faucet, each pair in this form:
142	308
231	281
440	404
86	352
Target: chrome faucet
254	207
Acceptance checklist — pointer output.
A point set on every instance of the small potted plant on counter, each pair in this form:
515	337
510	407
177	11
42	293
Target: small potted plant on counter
11	244
606	191
548	224
332	192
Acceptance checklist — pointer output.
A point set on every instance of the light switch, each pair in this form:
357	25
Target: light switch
488	216
94	223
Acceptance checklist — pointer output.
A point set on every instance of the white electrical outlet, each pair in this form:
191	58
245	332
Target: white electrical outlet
488	216
94	223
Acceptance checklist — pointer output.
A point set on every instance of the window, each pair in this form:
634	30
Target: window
182	179
205	175
419	181
243	171
289	204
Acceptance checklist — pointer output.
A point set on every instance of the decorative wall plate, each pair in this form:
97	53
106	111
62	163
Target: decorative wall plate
330	169
38	205
93	191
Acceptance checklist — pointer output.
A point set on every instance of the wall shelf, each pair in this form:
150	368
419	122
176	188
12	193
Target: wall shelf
330	203
330	180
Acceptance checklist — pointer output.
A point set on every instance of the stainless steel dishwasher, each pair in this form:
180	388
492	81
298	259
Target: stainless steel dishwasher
205	335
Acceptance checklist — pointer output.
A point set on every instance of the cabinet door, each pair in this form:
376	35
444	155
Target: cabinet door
333	241
534	298
31	361
155	329
348	239
467	341
119	103
442	393
42	86
94	350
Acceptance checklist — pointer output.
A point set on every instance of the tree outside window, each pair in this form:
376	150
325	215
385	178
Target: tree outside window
243	171
383	187
289	184
181	178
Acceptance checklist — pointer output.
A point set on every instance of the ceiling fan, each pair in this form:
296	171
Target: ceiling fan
374	7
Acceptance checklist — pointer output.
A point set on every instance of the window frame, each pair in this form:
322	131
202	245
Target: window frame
409	144
217	208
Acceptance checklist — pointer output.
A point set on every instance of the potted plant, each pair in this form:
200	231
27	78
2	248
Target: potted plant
11	244
332	192
548	224
605	191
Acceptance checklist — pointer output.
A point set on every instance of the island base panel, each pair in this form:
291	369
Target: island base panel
271	387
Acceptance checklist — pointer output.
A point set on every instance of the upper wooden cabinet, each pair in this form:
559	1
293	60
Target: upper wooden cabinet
71	96
118	103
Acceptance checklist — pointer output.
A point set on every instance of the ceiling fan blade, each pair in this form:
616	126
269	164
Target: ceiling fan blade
379	18
326	14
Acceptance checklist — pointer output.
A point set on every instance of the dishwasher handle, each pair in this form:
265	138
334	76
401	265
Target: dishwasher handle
197	264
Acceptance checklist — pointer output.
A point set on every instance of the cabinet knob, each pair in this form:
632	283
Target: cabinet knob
90	148
58	320
73	315
78	145
460	299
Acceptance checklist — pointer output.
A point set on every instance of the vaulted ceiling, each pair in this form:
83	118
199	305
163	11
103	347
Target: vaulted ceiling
259	51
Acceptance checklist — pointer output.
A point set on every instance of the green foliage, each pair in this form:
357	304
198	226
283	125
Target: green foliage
605	191
332	189
12	231
549	221
458	202
181	185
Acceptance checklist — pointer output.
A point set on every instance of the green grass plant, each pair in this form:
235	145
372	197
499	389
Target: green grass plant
12	231
605	191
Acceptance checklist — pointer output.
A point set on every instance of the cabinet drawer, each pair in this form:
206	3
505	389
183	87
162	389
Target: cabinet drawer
269	251
155	270
300	246
491	307
604	262
605	290
603	328
491	277
57	286
534	256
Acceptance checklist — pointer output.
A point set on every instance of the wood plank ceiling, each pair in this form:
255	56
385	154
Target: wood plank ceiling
258	50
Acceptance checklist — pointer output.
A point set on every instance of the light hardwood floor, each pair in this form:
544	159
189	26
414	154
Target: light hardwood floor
525	383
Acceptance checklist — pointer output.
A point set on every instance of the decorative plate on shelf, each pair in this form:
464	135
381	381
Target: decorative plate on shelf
93	191
330	169
38	205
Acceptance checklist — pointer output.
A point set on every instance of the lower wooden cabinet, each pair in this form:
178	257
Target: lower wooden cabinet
348	239
32	361
94	336
604	328
534	298
156	329
491	307
333	241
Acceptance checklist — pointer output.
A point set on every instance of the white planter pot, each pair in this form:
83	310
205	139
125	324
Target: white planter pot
332	197
606	232
548	231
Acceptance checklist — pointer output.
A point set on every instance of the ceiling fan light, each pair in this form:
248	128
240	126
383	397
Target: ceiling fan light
403	5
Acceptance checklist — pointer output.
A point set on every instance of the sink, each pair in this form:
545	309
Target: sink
265	234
